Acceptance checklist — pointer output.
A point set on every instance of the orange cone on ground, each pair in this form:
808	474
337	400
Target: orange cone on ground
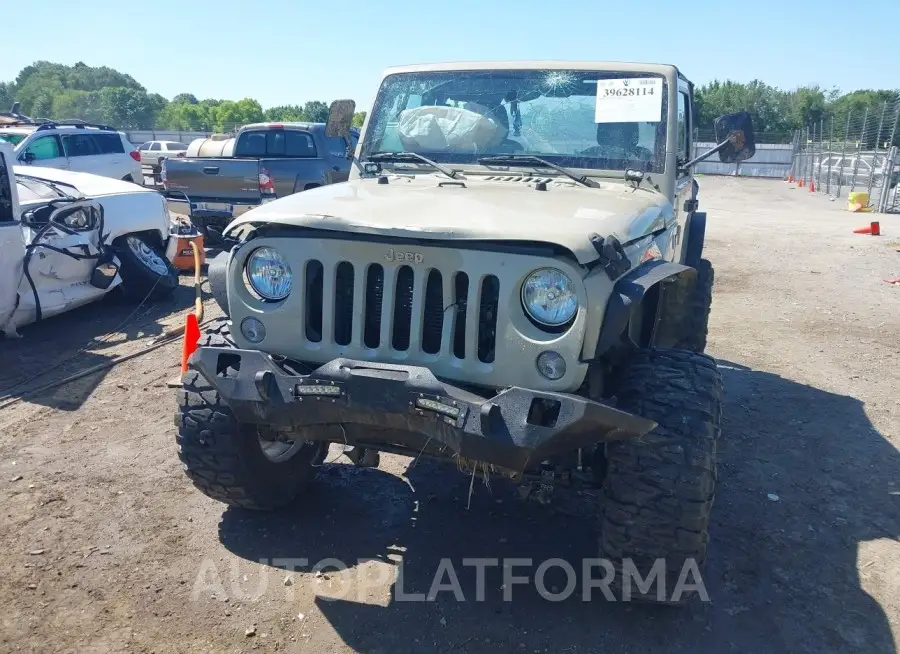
812	186
790	179
873	228
191	337
800	184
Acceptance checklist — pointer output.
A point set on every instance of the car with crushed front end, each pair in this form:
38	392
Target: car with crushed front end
512	281
68	239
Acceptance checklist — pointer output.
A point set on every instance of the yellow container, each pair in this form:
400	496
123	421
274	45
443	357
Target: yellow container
857	200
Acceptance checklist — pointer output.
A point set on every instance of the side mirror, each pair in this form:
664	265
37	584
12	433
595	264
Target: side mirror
340	118
28	157
736	132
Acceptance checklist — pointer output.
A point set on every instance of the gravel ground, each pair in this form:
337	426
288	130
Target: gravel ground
107	548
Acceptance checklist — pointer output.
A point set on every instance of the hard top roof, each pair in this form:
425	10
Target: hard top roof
660	69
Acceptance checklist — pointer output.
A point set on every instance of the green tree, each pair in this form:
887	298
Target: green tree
359	118
185	116
186	98
803	106
229	114
7	96
75	104
41	106
285	113
43	78
316	111
764	103
127	108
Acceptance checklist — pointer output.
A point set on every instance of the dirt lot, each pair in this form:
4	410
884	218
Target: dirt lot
107	548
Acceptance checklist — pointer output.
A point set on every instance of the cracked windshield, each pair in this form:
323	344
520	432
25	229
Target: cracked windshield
578	119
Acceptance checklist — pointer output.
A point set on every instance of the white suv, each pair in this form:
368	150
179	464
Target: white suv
76	146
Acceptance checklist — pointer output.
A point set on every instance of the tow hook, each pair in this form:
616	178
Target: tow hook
361	457
539	488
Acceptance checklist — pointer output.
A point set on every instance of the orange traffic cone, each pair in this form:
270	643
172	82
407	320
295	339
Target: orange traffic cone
812	186
800	184
191	336
790	179
874	228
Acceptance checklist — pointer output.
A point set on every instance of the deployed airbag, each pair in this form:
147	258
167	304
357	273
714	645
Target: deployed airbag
438	129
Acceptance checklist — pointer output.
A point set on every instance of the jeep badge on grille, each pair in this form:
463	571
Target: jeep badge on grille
404	257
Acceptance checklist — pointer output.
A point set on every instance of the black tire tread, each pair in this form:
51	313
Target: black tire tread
210	442
696	325
659	490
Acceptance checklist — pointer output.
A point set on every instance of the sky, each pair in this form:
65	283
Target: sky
289	52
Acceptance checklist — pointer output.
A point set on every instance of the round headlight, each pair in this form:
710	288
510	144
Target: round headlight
548	296
269	274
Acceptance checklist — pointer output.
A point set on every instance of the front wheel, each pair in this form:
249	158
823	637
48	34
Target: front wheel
696	323
145	271
248	466
658	490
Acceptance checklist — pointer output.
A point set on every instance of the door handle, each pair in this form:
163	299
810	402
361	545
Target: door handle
211	170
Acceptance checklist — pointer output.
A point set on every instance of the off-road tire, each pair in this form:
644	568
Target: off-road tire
222	457
139	281
696	323
658	490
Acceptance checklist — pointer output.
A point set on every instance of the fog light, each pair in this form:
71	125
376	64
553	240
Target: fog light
253	330
551	365
438	407
316	389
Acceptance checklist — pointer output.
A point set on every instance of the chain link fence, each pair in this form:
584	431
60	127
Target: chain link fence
852	154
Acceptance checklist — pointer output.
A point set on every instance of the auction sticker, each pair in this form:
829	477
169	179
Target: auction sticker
629	100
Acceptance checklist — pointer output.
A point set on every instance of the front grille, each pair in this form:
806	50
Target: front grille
403	309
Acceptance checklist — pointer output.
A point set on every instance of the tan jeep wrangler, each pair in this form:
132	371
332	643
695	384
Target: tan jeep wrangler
511	280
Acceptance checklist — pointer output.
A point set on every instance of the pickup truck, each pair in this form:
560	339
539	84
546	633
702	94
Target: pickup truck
262	162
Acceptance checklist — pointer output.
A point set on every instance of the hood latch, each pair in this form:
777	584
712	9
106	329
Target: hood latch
612	255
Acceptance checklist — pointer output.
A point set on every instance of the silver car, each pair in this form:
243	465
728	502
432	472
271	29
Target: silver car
153	152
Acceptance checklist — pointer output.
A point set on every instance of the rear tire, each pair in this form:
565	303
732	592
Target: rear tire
145	271
658	490
225	459
696	323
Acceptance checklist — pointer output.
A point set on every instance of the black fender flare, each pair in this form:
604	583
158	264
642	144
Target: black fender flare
629	291
695	233
217	273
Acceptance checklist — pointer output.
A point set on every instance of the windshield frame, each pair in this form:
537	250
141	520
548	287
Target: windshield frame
378	121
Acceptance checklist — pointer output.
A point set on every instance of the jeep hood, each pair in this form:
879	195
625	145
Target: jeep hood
436	208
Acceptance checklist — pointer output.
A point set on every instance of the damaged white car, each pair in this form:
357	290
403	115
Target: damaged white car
67	239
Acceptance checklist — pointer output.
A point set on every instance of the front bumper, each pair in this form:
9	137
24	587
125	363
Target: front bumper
412	402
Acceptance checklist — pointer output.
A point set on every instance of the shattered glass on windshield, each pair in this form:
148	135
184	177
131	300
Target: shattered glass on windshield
572	118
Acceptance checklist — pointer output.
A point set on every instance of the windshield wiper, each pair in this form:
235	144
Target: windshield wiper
411	157
536	161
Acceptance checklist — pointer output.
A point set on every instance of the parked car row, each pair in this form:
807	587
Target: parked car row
853	170
220	178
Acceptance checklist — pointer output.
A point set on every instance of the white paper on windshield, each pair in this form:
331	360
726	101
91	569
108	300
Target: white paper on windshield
629	100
